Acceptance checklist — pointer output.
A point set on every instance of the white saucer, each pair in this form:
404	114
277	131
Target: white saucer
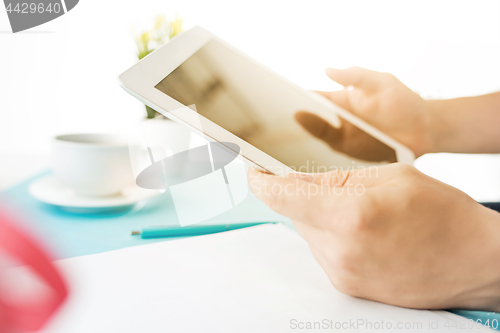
51	190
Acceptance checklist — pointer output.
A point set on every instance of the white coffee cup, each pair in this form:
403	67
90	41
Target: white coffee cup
92	164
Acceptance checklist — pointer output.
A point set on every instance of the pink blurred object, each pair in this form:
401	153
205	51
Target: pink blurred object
28	314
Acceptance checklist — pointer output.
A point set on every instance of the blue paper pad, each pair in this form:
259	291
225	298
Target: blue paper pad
70	235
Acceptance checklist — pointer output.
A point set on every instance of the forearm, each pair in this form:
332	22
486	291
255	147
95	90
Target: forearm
466	125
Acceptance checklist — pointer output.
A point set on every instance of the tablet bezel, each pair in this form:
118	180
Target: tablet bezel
141	79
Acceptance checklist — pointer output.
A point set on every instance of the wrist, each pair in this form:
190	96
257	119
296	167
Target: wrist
438	129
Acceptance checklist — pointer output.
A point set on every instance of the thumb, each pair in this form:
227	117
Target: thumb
293	198
362	176
356	76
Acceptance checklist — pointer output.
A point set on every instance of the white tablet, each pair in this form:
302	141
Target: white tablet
207	85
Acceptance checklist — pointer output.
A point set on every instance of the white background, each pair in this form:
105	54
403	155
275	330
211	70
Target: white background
61	77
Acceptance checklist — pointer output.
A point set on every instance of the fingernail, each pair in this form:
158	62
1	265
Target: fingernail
253	172
302	176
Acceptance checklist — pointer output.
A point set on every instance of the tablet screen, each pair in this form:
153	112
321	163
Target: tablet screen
259	107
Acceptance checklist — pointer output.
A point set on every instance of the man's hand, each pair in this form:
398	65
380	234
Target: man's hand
381	100
393	235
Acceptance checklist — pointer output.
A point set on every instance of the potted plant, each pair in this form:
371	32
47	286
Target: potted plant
148	41
164	136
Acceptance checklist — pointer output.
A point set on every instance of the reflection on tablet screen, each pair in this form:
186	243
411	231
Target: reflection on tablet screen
260	108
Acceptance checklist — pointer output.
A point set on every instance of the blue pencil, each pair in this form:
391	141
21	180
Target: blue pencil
193	230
